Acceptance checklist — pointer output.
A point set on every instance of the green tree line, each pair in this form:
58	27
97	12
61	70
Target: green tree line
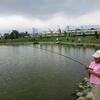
15	35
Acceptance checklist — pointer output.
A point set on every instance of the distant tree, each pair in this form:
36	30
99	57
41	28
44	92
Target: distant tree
65	33
27	34
96	35
59	31
6	36
74	35
69	34
92	29
83	34
67	39
41	37
14	34
23	34
77	29
72	40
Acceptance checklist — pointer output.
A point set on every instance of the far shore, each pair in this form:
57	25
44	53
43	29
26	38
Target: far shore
60	43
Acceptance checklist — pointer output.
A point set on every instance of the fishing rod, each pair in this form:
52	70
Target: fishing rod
61	55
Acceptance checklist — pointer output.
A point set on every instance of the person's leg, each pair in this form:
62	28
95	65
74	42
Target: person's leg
96	92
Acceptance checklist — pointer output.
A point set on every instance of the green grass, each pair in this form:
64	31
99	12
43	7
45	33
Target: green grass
86	39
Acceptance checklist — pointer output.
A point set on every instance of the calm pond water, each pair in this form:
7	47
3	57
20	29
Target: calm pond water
29	73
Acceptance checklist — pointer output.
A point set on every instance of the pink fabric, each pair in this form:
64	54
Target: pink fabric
96	67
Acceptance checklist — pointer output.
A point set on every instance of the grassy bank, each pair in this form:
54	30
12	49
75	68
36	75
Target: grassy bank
72	39
65	39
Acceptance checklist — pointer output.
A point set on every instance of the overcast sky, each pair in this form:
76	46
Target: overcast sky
25	14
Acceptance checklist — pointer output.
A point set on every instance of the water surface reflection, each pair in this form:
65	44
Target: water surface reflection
29	73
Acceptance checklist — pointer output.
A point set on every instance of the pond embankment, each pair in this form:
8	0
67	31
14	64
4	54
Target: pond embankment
59	43
75	44
84	91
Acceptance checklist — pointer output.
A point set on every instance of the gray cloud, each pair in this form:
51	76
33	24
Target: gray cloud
46	8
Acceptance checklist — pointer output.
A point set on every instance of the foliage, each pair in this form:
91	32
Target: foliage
96	35
14	34
83	35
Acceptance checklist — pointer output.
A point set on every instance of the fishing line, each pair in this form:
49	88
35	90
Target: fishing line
61	55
